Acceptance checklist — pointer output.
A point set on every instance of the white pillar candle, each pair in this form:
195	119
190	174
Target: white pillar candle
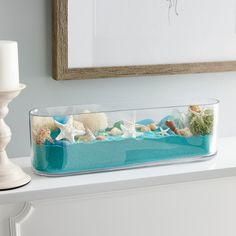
9	66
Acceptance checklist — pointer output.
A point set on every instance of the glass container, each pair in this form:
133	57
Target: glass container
94	138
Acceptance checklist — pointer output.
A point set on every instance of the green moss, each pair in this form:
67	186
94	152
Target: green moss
201	123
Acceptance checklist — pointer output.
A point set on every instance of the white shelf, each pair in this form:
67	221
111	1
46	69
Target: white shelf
222	165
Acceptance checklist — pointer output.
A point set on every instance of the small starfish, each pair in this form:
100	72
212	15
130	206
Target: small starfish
163	132
68	131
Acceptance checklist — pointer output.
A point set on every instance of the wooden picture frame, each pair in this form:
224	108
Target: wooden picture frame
60	57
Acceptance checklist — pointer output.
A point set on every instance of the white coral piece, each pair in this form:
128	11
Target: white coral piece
78	125
94	121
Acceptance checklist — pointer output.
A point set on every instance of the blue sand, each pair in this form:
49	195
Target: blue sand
117	152
61	119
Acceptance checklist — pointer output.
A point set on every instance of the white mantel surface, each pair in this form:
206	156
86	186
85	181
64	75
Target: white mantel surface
221	165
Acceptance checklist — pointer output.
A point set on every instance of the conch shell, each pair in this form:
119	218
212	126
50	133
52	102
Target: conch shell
43	135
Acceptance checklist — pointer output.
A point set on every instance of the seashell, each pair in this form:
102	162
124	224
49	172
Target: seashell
152	127
101	138
39	123
44	134
195	108
115	132
93	121
145	129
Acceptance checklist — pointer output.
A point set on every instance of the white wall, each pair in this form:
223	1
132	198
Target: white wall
29	22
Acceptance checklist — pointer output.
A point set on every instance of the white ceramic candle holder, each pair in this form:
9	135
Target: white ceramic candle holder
11	175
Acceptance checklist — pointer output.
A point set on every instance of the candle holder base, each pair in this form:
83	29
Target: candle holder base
11	175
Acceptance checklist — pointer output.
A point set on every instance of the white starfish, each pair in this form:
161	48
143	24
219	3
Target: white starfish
164	132
129	130
68	131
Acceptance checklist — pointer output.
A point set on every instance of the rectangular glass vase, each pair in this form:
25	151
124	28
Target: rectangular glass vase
94	138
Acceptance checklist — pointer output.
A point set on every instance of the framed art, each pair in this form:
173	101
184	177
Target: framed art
117	38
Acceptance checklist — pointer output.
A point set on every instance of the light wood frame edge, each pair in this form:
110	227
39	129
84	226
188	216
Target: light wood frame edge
60	57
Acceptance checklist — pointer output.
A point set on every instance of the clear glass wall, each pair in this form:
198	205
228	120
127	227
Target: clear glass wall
93	138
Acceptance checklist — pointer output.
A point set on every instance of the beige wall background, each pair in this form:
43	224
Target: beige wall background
29	23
